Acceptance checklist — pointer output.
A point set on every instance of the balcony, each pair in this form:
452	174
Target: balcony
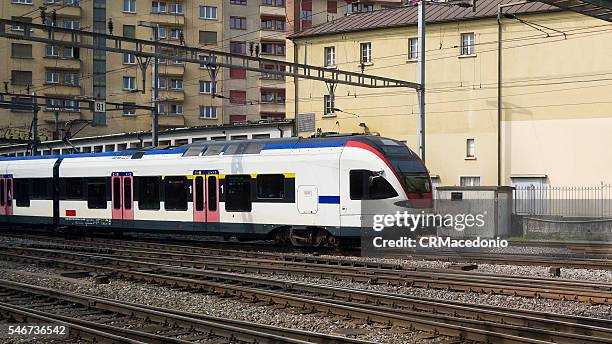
268	10
167	19
59	63
172	95
172	69
62	90
272	107
171	121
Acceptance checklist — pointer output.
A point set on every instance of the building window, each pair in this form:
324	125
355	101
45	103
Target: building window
357	7
273	48
332	6
72	24
208	37
329	105
175	33
161	108
71	79
129	31
467	44
23	2
271	186
208	12
162	83
470	148
273	76
237	97
413	48
276	24
158	7
176	84
129	6
238	48
269	96
129	83
21	50
71	52
52	104
22	78
129	109
238	2
366	52
148	193
274	3
96	193
238	193
175	193
71	105
176	8
52	77
239	23
469	181
19	27
129	58
72	2
176	109
330	56
206	87
366	185
161	32
208	112
52	51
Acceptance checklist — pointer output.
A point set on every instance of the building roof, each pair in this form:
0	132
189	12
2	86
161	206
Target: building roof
407	16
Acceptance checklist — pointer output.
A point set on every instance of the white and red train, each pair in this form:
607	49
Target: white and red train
306	191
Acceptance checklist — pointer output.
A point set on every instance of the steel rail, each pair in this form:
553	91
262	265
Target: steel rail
221	327
444	324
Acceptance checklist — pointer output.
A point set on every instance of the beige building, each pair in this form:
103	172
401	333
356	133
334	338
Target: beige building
556	114
185	94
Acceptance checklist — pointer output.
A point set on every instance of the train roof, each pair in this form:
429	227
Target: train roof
227	147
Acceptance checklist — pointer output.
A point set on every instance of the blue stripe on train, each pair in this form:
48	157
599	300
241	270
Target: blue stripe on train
329	199
93	155
296	145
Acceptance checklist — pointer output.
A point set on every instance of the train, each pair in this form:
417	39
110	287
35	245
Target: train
297	191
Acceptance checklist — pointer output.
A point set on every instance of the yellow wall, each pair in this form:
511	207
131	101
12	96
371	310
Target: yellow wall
556	104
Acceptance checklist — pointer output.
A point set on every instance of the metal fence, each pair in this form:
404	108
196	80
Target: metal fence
567	201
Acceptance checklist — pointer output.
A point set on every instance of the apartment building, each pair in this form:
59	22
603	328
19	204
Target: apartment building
186	92
554	105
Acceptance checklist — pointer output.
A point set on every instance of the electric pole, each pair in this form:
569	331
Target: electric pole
421	68
155	120
34	123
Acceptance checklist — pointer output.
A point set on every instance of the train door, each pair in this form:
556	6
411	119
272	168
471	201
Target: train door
122	191
206	201
6	196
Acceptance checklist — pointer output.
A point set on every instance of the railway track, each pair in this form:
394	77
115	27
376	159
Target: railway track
106	320
390	275
464	321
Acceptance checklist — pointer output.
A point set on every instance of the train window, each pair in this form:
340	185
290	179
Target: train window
149	193
9	192
1	191
365	185
22	192
40	188
238	193
214	149
199	193
270	186
127	193
175	193
117	193
96	193
74	188
212	193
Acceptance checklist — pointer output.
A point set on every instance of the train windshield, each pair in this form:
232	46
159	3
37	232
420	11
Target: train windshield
415	182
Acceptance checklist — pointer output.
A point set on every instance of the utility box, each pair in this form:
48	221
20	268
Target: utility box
474	211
